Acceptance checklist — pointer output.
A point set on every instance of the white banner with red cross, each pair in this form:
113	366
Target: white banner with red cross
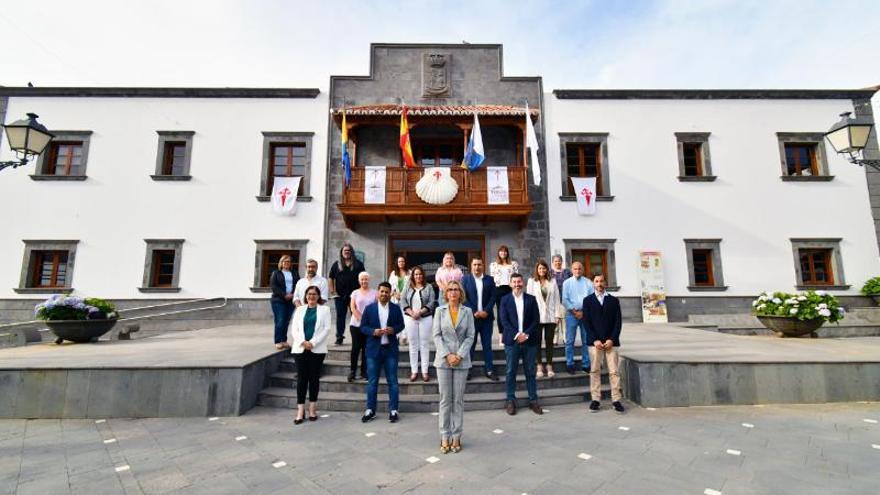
284	195
585	190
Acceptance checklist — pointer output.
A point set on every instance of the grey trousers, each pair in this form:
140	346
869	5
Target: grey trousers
451	383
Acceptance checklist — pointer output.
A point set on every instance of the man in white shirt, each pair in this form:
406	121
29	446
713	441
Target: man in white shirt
381	322
479	291
518	319
311	278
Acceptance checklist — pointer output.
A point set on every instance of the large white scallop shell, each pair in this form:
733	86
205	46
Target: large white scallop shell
437	187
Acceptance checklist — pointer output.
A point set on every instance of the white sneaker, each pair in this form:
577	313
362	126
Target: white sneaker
539	373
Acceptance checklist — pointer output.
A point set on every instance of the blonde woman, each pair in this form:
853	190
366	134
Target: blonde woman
447	272
543	287
453	336
418	304
310	330
360	299
501	269
282	282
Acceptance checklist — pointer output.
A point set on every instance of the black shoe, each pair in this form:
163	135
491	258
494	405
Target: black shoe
364	378
338	341
469	376
368	416
491	376
618	407
510	407
586	370
594	406
298	421
313	418
393	417
351	377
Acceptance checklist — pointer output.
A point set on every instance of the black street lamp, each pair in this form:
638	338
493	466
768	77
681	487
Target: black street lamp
850	136
27	138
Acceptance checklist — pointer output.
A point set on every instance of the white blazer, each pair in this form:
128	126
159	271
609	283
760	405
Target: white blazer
322	330
548	309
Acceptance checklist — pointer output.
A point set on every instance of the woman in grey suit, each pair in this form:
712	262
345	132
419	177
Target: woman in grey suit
453	336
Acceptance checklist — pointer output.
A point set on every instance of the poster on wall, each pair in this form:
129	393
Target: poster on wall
497	186
374	185
653	290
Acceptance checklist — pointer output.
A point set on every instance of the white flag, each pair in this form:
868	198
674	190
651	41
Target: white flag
585	190
284	195
374	185
532	143
498	189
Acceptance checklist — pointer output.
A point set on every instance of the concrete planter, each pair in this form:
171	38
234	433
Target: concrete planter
876	298
80	330
784	326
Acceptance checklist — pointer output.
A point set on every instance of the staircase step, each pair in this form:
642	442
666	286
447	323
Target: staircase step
342	352
343	401
341	366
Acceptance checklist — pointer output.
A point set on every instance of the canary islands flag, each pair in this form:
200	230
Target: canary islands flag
474	155
346	159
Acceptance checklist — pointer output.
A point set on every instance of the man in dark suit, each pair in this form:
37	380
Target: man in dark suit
518	319
479	291
603	321
381	322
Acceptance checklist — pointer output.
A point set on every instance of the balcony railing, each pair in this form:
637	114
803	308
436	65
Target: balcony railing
403	204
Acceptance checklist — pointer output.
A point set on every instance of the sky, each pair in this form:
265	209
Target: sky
642	44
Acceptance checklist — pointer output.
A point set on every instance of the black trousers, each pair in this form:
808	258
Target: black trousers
308	367
358	350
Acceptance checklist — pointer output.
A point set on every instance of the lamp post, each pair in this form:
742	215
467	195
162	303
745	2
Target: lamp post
27	138
850	136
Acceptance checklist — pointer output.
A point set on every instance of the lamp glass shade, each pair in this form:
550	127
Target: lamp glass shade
27	136
858	135
839	139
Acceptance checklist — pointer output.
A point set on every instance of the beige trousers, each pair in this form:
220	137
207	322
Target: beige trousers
596	358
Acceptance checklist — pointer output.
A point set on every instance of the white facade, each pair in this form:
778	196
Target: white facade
119	205
749	207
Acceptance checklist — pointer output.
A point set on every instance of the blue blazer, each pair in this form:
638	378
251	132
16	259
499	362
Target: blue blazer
469	284
370	322
509	322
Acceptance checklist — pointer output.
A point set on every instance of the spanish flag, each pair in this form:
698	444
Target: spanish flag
405	146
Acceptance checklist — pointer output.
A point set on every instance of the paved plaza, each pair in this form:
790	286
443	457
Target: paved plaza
779	449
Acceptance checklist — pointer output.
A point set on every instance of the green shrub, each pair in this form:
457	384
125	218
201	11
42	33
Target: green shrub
872	287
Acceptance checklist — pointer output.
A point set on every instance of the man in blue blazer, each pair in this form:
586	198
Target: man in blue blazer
381	322
518	319
479	291
603	321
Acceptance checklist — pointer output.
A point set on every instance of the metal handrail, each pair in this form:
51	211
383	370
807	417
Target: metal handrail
121	311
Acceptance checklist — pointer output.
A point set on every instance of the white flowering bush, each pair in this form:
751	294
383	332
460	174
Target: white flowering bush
808	305
61	307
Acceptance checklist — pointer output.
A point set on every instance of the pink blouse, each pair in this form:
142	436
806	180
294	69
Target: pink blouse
445	275
361	301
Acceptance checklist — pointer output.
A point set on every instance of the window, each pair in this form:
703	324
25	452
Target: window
174	156
595	261
162	268
802	156
585	155
818	264
288	160
65	158
597	256
694	164
800	159
47	266
584	160
704	265
286	154
49	269
816	267
437	153
269	253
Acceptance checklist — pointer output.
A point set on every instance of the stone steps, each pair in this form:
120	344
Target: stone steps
343	352
342	401
341	367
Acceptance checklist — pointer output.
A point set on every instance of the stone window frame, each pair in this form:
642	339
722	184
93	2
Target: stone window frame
832	243
270	138
601	138
173	136
717	270
272	245
595	244
706	159
62	136
30	246
162	244
815	138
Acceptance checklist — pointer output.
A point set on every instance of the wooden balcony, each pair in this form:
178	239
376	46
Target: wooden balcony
402	204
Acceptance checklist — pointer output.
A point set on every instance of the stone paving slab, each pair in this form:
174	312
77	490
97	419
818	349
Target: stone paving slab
786	449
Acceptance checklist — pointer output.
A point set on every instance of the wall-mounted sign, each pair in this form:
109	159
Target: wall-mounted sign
653	289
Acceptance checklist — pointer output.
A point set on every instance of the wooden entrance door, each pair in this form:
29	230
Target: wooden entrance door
427	250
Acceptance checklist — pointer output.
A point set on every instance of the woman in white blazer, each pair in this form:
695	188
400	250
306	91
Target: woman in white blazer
310	328
544	288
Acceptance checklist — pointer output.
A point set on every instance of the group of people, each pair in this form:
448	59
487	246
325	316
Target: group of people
467	307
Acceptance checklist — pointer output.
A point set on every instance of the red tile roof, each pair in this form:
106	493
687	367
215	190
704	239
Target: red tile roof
435	110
